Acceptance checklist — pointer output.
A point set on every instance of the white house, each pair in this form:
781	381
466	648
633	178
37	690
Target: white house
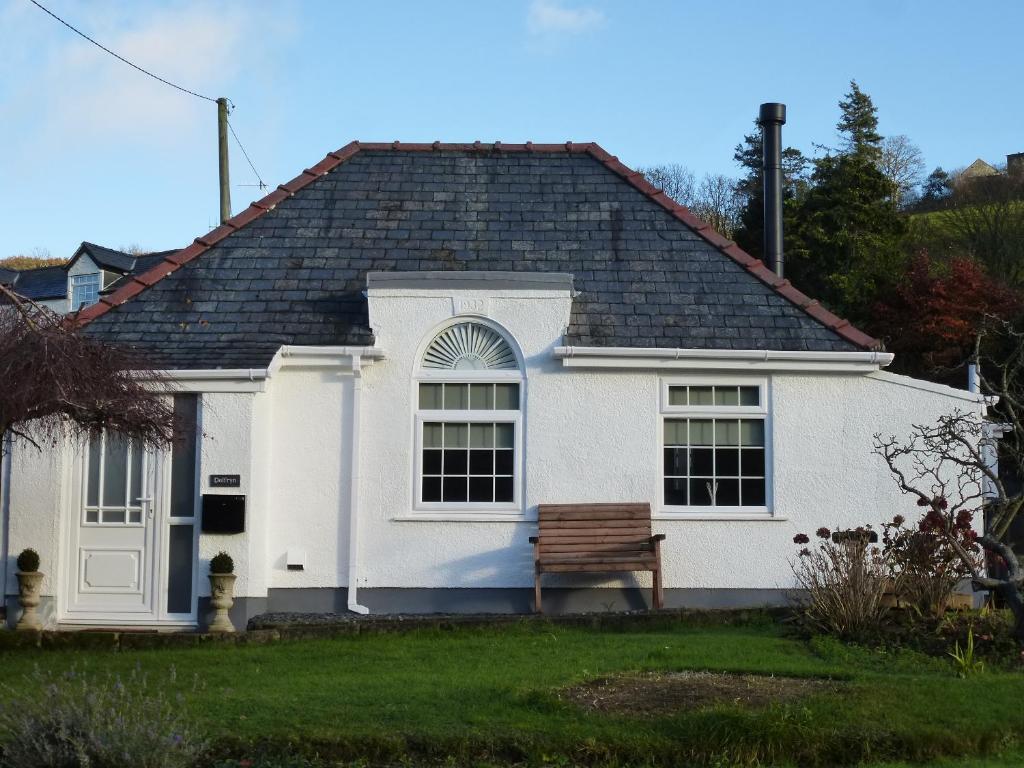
390	361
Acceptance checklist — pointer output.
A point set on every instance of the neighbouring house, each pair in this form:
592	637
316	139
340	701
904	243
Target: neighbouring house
93	271
386	364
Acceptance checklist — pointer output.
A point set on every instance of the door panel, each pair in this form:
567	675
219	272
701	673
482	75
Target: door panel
115	539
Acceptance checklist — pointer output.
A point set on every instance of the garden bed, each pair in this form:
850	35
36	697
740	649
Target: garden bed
656	694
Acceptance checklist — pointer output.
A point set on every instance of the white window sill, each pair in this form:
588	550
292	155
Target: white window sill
467	516
697	515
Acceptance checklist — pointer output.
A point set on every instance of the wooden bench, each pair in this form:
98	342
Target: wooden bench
596	538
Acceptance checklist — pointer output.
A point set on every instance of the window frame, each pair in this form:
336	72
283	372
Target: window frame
503	510
761	411
78	281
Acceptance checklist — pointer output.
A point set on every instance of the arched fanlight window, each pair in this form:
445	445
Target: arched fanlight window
469	347
469	421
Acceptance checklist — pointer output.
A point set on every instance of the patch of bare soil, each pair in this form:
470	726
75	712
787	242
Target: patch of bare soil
664	693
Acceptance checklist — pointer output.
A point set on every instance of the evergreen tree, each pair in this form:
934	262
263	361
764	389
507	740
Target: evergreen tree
858	124
848	238
937	187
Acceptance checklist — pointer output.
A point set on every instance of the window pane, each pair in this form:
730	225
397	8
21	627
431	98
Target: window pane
135	516
702	431
115	471
455	462
430	397
752	462
700	492
727	462
481	489
728	493
677	395
753	493
702	395
481	397
727	396
506	397
431	488
752	432
481	435
92	495
456	435
701	461
481	462
503	462
503	489
750	395
432	435
675	461
92	516
183	456
675	432
456	397
136	482
431	462
727	432
179	569
675	492
504	435
454	489
113	515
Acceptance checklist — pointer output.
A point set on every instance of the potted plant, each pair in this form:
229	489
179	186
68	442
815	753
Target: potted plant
30	579
222	591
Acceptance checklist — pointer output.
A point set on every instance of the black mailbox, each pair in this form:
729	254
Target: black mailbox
223	513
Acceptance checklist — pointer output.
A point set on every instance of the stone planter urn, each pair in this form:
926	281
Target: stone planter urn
222	592
29	584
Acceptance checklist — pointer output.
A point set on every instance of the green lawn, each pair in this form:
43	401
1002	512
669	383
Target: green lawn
487	695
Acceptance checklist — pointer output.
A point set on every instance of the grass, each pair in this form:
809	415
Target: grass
489	695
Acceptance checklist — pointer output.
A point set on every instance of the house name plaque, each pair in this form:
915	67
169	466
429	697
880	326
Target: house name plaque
225	481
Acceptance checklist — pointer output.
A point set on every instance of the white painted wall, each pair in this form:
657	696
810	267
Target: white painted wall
588	436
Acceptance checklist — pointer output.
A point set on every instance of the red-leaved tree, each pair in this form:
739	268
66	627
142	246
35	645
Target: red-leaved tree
933	313
55	381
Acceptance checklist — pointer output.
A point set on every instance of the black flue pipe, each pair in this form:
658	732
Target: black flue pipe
771	118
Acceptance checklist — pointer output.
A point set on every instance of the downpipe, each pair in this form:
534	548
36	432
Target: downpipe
353	515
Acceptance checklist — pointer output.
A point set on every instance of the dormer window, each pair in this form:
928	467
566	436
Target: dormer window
85	290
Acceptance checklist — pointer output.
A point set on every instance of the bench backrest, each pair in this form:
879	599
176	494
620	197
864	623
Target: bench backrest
611	528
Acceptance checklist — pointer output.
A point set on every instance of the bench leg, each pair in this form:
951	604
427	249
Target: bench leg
659	594
536	592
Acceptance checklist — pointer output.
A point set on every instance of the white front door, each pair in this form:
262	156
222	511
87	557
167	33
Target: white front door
114	563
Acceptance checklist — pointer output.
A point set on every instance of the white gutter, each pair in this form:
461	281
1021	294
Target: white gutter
721	359
353	512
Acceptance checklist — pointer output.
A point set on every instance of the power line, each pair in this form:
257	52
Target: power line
116	56
102	47
246	154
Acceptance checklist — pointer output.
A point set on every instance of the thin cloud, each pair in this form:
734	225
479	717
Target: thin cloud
547	17
79	93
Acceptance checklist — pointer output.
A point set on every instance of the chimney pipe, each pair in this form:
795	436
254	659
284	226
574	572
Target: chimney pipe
771	119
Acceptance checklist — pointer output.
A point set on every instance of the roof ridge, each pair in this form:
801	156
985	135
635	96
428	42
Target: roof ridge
177	259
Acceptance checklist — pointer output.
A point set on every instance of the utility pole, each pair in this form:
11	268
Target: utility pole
222	147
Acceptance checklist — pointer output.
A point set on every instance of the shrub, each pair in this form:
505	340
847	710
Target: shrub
843	580
925	560
222	563
28	561
72	719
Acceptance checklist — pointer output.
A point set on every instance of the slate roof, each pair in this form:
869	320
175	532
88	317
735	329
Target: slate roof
291	269
51	282
107	258
42	283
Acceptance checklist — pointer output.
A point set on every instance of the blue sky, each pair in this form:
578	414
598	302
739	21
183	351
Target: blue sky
92	150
